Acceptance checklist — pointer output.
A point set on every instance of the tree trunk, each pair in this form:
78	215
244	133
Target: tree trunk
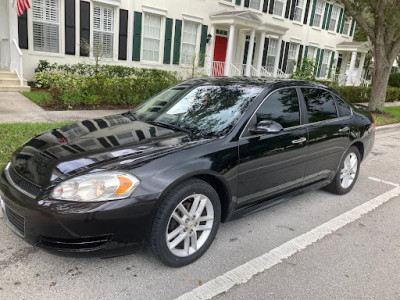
380	80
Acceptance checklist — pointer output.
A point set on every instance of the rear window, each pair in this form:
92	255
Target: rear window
344	109
320	105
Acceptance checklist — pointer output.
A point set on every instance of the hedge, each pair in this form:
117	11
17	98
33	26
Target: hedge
394	80
69	89
358	94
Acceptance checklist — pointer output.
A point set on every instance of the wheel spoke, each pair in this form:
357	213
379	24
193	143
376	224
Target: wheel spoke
353	161
195	204
178	218
342	174
175	232
177	241
186	244
203	227
183	210
200	209
205	218
346	182
194	240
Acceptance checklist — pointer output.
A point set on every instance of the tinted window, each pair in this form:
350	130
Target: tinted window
344	109
320	105
282	107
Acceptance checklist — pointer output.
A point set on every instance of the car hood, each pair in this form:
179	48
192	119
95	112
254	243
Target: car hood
86	145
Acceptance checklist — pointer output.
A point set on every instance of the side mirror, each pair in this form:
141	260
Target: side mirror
266	126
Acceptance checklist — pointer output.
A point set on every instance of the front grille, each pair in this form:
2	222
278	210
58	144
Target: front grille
16	221
23	184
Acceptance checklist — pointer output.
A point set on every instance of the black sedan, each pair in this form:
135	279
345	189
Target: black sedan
169	171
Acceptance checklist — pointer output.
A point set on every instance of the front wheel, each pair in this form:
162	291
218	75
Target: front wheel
186	223
348	172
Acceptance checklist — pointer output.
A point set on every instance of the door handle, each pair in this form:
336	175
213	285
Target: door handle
299	141
344	129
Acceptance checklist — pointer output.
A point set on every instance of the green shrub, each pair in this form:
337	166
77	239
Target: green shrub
392	94
358	94
394	80
71	89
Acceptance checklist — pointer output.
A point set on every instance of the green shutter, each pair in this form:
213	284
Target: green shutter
203	43
177	41
306	51
340	20
352	27
321	57
137	32
342	26
325	15
316	62
238	2
313	12
328	20
331	64
167	41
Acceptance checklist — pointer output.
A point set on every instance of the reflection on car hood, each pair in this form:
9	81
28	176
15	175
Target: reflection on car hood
80	146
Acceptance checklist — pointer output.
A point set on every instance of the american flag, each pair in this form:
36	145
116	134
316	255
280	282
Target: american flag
21	6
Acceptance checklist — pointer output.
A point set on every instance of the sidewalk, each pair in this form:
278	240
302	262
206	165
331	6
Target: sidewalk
14	107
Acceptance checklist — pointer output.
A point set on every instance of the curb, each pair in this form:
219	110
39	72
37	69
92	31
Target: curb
390	126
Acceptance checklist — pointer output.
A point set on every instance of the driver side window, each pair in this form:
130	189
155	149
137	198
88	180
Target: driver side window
281	106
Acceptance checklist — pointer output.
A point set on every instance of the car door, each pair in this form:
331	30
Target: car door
271	164
327	132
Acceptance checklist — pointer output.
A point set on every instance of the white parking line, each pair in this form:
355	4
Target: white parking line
245	272
383	181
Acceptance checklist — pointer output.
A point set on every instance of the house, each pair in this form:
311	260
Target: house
257	38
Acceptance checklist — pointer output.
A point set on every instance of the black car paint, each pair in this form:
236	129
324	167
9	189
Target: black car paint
235	165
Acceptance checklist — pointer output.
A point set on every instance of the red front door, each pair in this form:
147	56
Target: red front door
220	46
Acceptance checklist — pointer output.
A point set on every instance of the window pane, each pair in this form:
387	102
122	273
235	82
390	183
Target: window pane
343	108
278	7
320	105
255	4
298	11
151	37
282	107
334	15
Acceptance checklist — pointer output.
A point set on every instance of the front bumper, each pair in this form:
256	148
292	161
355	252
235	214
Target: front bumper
74	226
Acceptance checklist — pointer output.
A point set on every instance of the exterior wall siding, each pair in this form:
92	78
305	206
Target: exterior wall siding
174	15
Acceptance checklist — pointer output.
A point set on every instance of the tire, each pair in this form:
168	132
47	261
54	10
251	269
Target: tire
347	174
177	227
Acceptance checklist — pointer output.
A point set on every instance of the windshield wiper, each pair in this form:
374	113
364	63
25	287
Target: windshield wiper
170	126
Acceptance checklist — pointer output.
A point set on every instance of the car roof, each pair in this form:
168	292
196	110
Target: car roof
263	82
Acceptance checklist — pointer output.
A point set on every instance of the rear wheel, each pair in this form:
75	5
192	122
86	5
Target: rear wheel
348	172
186	223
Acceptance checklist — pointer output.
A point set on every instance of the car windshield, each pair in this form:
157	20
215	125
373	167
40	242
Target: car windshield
207	110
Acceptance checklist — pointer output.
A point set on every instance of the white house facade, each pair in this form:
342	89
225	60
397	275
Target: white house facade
170	35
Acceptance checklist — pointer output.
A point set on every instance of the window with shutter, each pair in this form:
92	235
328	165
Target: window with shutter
318	14
255	4
311	52
324	65
151	37
346	26
334	17
292	56
278	7
189	39
271	55
298	10
103	30
46	22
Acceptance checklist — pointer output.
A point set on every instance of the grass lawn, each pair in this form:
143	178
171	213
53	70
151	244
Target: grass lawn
391	116
38	97
13	135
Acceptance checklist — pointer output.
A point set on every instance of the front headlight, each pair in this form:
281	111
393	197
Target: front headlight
101	186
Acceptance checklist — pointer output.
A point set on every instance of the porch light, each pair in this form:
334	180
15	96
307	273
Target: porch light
209	36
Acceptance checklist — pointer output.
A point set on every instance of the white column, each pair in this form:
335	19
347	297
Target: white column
130	32
260	51
360	68
250	53
351	70
229	50
211	50
13	29
278	54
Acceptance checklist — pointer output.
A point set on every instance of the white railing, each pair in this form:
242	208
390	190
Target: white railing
364	82
234	71
218	68
4	53
254	72
18	68
281	74
265	73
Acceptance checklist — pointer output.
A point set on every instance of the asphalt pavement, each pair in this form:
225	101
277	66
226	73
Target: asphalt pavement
358	260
